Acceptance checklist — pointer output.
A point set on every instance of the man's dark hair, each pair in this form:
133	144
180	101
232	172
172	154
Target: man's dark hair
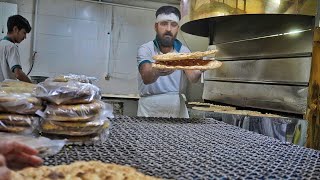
19	21
168	10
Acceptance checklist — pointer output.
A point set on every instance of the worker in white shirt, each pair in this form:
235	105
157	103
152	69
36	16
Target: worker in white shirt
160	90
10	65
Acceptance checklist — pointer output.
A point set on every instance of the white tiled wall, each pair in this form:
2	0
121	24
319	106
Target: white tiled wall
72	37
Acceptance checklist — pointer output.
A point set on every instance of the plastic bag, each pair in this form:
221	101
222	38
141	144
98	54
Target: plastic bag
17	97
15	123
45	146
80	78
74	127
70	92
78	112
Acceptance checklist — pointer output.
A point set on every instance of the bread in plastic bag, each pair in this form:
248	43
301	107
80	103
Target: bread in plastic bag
70	92
78	112
77	130
17	97
45	146
15	123
74	129
80	78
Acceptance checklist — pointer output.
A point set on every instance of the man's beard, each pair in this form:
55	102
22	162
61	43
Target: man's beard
166	41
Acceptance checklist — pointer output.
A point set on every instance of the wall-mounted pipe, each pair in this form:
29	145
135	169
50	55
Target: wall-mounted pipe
34	43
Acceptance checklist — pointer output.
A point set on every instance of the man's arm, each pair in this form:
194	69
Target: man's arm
193	75
21	75
150	75
13	60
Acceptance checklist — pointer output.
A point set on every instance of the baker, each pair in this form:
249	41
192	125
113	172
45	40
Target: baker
10	65
160	89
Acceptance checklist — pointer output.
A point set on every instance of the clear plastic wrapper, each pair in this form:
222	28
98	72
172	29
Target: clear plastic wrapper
15	123
73	127
78	112
97	138
70	92
17	97
76	77
16	87
45	146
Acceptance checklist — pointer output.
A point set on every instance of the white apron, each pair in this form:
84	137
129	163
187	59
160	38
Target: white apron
163	105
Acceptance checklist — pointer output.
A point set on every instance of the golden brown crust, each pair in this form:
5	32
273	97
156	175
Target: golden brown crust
77	110
20	109
199	103
86	118
16	119
183	56
16	87
17	98
14	129
73	129
211	65
81	170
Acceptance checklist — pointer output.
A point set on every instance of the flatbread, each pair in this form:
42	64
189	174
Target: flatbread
86	118
214	108
16	98
78	110
20	109
183	56
91	170
73	129
211	65
16	87
16	120
71	92
199	103
15	129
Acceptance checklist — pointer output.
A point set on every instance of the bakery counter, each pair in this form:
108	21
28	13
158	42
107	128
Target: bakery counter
123	104
195	148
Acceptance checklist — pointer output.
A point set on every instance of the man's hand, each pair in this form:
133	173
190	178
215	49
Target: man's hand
193	75
20	75
18	155
150	75
164	72
4	171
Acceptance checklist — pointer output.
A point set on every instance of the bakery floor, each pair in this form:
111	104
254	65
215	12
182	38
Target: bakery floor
195	148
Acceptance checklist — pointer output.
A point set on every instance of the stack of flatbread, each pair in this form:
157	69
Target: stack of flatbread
186	61
74	120
67	91
91	170
18	105
74	108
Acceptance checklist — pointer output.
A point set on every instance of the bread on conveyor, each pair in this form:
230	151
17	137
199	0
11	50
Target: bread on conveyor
91	170
214	108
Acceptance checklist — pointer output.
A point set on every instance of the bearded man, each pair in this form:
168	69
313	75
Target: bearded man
160	89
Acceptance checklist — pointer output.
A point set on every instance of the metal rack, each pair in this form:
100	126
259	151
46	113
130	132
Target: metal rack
195	149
